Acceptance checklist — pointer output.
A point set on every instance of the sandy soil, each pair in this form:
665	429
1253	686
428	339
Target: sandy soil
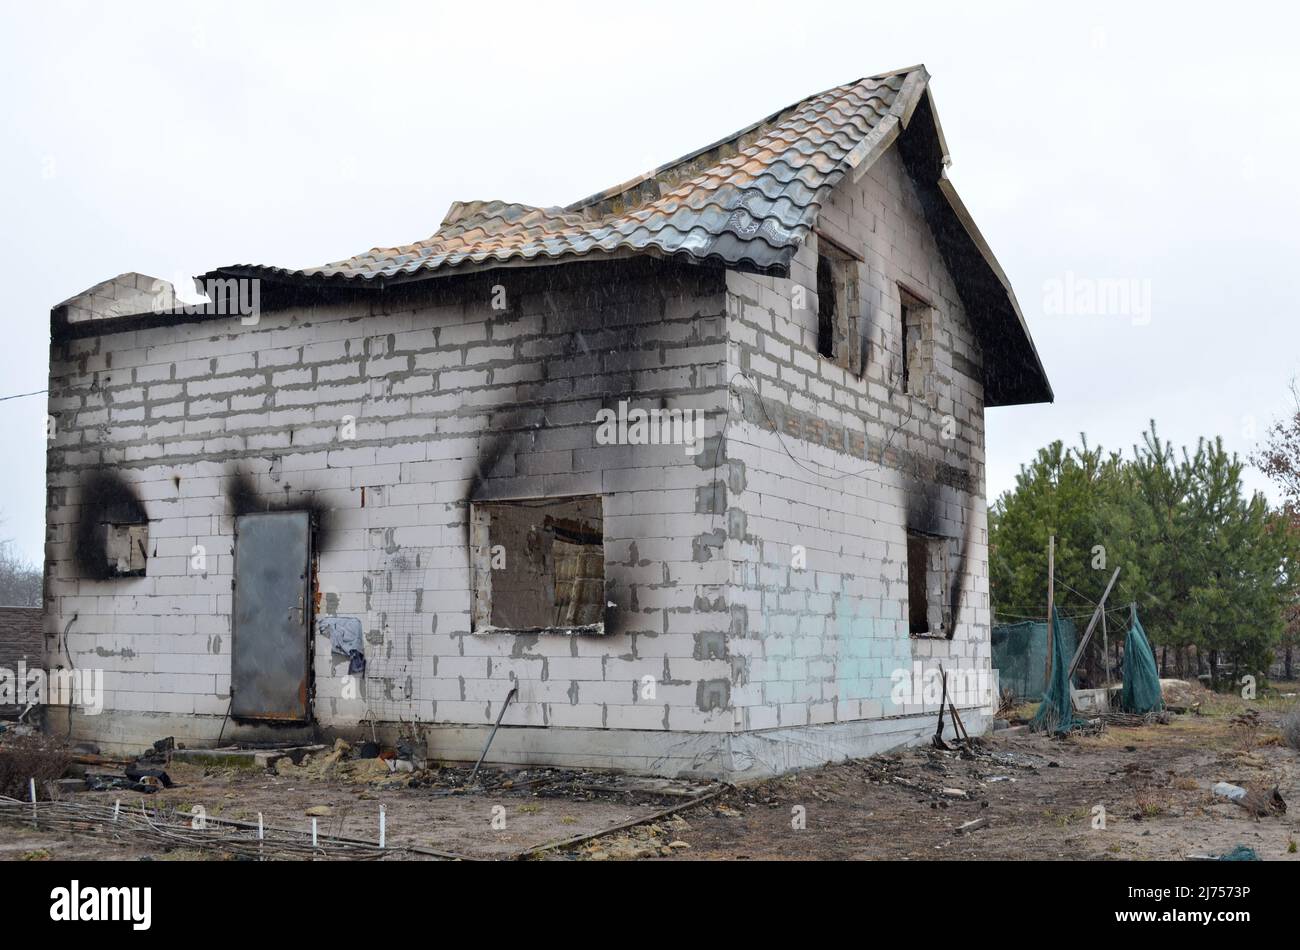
1039	795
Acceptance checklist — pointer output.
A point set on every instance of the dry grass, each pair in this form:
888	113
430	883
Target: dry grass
1018	713
1120	736
1246	734
23	758
1152	803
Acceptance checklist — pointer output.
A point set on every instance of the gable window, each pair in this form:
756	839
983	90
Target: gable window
914	315
927	577
837	304
539	564
826	301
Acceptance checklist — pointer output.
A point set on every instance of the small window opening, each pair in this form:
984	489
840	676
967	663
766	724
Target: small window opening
126	547
927	572
539	565
826	294
912	321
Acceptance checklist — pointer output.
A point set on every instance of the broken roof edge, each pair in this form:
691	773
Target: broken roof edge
860	159
278	296
583	204
490	263
636	181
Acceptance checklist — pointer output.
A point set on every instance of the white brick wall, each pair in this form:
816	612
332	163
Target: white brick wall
184	411
820	645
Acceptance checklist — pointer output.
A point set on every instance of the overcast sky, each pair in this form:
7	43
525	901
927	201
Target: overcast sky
1118	143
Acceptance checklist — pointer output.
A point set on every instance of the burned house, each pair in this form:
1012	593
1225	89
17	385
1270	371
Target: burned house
694	466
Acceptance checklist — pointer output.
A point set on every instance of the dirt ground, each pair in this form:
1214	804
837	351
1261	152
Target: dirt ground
1126	793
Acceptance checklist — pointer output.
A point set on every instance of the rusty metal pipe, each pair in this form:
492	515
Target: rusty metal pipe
487	745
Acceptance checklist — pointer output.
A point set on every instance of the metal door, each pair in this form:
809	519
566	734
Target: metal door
269	663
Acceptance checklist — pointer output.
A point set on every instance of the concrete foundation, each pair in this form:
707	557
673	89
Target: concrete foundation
731	757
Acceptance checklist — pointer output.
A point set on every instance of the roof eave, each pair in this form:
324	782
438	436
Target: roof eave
1013	371
963	214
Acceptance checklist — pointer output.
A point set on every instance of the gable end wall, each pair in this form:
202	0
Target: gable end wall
819	646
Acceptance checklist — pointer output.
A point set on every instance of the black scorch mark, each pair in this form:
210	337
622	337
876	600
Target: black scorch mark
925	508
245	500
106	498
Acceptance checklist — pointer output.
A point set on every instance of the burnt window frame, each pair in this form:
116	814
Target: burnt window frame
137	540
927	544
913	309
838	311
480	550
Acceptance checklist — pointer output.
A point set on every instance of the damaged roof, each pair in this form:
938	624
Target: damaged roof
747	202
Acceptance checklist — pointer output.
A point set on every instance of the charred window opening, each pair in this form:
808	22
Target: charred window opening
826	306
914	316
112	534
927	576
126	548
539	564
838	306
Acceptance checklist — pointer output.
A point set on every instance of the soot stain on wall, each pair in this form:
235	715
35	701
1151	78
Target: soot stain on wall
588	315
925	507
245	500
106	498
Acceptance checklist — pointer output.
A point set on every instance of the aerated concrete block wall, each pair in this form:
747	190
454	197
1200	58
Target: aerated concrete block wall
757	589
817	646
450	400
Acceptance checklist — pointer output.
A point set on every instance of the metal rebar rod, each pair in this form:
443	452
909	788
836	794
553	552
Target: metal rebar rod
487	745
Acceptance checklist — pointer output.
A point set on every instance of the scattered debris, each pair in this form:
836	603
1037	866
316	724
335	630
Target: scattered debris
644	840
1239	853
1234	793
1132	720
1182	694
974	825
151	777
119	783
1259	804
1015	759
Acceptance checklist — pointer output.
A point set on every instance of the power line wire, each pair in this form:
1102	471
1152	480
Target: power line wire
23	395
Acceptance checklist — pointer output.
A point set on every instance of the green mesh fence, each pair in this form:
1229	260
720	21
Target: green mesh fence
1239	853
1056	711
1020	655
1141	692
